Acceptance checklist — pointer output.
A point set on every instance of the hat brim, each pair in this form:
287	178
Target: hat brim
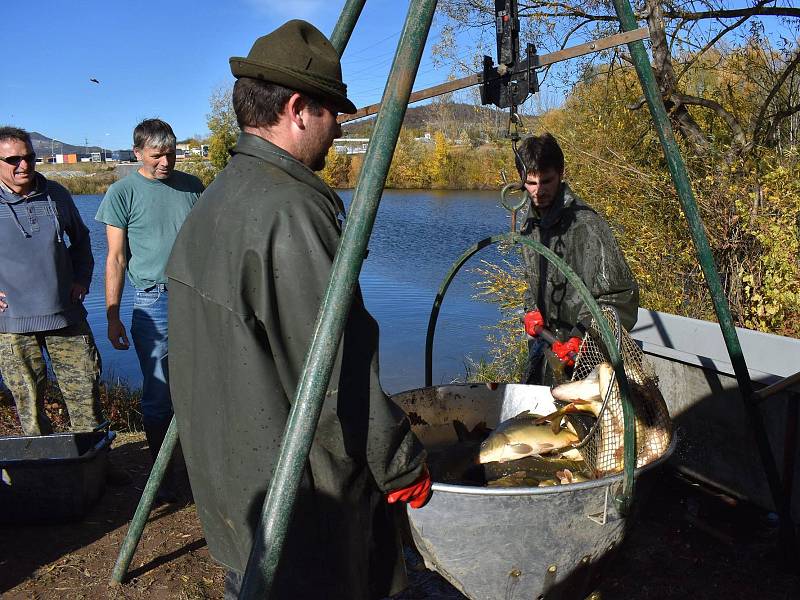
244	67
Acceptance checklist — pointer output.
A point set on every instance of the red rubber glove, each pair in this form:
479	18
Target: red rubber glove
416	494
533	321
567	351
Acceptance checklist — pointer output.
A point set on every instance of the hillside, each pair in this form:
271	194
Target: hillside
483	122
45	146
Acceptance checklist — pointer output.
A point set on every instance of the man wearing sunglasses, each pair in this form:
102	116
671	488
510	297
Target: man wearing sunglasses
43	282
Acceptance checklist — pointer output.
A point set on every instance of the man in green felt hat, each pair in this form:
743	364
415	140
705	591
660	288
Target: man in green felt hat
247	276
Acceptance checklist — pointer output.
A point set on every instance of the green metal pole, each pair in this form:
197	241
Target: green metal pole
683	186
346	23
136	527
304	415
623	500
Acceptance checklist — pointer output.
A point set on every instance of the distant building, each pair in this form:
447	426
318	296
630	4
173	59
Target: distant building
351	145
123	155
189	150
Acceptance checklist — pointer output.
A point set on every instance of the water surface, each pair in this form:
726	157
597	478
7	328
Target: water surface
417	237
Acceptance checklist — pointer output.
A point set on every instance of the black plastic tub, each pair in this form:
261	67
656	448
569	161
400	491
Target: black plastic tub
52	478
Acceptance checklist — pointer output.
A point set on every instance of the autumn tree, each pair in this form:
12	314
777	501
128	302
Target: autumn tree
337	168
223	127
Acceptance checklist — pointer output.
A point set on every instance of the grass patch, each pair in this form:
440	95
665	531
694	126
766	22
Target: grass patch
81	178
120	404
84	168
78	186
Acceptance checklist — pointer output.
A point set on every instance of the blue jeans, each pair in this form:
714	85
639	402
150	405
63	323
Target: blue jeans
149	333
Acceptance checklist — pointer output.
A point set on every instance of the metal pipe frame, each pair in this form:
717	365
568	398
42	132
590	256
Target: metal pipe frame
683	186
145	505
346	24
304	415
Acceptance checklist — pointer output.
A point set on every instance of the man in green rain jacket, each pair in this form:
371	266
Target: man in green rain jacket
246	277
575	232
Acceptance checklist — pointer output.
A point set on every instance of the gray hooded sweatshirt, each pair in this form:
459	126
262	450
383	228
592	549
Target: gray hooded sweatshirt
37	268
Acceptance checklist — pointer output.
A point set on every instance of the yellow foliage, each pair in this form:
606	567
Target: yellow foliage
337	169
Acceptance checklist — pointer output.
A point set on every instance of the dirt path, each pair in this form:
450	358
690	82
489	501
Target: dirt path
687	544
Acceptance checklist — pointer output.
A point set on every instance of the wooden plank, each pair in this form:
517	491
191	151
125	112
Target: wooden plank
596	46
543	60
431	92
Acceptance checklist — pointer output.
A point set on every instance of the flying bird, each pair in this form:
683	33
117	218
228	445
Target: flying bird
93	80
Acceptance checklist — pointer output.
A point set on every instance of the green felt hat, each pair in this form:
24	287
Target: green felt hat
299	57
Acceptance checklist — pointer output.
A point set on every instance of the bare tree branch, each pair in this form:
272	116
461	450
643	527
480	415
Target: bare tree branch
778	117
719	36
638	104
570	33
767	11
577	14
730	120
758	122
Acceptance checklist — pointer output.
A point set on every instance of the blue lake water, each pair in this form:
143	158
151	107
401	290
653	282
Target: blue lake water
417	237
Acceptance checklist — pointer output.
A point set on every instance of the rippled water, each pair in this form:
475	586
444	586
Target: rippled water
417	236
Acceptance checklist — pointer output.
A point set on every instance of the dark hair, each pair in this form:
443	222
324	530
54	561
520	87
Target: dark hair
153	133
259	103
540	153
8	132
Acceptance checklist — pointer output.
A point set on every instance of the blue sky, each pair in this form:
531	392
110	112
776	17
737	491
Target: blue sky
164	59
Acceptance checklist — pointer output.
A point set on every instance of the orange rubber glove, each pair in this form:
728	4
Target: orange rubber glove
567	351
533	320
416	494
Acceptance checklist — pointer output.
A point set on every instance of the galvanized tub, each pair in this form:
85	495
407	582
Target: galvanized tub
510	543
52	478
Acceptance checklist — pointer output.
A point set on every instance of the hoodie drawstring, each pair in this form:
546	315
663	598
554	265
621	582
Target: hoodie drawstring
52	206
16	220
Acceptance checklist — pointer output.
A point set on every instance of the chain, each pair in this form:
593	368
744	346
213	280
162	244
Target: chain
514	121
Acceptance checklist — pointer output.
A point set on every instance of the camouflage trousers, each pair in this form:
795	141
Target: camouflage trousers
76	364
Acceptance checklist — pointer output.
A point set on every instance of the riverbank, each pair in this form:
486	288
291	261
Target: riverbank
433	163
81	178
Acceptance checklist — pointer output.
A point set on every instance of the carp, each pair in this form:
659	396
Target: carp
584	390
520	437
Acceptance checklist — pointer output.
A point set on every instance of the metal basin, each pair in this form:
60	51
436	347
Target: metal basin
510	543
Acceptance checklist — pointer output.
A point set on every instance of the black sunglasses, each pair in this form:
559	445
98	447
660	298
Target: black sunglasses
15	160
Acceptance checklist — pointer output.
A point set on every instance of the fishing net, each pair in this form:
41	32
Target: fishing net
603	446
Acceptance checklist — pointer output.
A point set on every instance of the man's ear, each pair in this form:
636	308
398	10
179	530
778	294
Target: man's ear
138	154
295	107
